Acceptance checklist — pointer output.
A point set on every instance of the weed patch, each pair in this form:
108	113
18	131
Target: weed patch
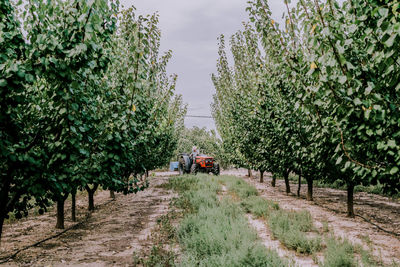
259	206
239	187
290	228
158	257
339	253
216	233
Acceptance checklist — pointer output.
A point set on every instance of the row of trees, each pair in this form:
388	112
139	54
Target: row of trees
321	98
85	102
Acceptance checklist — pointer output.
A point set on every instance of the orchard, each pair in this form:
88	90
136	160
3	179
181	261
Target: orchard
320	98
91	119
85	103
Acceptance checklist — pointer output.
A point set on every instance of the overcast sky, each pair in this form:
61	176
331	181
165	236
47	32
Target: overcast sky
190	29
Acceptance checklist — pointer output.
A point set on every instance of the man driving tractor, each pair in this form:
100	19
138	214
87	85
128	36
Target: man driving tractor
194	153
196	162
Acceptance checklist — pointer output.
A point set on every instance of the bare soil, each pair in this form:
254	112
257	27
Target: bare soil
109	237
329	207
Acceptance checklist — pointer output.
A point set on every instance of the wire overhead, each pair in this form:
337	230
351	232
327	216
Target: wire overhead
195	116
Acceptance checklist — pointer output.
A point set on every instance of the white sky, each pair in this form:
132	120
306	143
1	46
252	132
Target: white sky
190	29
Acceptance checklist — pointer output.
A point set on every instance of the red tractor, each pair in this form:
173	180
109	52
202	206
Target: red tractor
200	163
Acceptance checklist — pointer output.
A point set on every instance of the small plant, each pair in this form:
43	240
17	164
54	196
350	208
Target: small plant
239	187
181	184
339	253
290	228
259	206
166	228
158	257
325	227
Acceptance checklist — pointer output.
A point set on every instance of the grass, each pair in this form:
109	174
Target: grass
259	206
291	227
213	232
339	253
158	257
238	186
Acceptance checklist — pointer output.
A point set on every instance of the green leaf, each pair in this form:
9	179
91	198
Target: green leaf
394	170
357	101
342	79
367	113
391	143
383	12
62	111
389	42
347	164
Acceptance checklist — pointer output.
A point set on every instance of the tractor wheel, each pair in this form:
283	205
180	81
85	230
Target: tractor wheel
194	169
216	169
181	168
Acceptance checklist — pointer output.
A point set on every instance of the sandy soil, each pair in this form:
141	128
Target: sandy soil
383	211
109	238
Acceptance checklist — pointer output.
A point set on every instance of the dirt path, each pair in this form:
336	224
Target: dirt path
384	246
109	238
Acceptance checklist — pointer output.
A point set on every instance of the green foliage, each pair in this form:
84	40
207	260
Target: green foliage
19	156
325	92
85	100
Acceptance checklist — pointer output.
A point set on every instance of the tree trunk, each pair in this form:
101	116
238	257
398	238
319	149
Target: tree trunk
261	176
91	200
350	200
273	182
147	174
1	225
3	214
286	177
60	213
249	173
91	196
299	185
4	195
309	189
112	194
73	206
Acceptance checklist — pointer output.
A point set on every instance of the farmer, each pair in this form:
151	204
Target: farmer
195	152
